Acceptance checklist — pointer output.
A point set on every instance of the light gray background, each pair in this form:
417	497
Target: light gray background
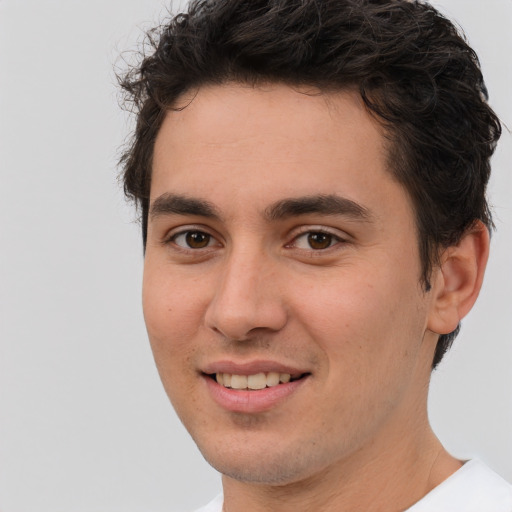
84	423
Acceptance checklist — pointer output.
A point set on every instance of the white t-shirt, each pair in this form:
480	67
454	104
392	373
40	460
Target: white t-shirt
473	488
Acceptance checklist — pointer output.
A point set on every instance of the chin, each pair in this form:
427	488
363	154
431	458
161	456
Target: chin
267	465
260	471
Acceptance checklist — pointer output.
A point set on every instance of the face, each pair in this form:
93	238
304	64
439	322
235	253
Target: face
282	290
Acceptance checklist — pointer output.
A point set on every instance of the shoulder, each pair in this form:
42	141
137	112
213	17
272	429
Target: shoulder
473	488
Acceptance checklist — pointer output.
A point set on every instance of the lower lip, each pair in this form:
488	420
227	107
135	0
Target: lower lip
255	401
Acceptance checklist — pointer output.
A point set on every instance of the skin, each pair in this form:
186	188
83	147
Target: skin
353	315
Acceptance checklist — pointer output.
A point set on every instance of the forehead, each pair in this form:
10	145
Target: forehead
255	145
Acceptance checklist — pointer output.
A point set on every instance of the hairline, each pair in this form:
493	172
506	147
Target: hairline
394	155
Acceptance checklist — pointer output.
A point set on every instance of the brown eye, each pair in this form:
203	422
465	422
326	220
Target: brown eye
197	239
193	239
319	240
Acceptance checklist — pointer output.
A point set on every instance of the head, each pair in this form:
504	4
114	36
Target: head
413	70
312	182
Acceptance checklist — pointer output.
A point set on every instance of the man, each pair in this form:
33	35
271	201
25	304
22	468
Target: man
312	181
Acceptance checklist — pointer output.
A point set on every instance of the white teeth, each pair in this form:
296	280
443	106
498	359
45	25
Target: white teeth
272	379
256	381
238	381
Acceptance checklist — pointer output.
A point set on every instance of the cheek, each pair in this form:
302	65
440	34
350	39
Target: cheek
173	315
173	311
370	332
364	319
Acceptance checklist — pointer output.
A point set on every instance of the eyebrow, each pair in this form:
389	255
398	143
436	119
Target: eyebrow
331	204
175	204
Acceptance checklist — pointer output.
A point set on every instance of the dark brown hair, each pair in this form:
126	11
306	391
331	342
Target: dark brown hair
413	69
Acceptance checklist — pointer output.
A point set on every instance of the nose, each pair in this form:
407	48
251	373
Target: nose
247	299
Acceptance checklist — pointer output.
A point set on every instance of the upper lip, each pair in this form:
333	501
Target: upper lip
251	368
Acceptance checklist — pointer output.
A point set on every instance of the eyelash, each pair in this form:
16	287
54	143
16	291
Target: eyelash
333	240
187	232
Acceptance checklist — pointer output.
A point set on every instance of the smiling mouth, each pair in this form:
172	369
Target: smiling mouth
255	381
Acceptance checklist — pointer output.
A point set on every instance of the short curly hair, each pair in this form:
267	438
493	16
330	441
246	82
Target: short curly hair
413	69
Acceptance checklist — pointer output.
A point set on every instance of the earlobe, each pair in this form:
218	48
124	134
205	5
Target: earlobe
458	280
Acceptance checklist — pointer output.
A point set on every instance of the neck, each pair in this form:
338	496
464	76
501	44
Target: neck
379	477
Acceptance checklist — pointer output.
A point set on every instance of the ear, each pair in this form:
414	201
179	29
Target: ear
457	282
